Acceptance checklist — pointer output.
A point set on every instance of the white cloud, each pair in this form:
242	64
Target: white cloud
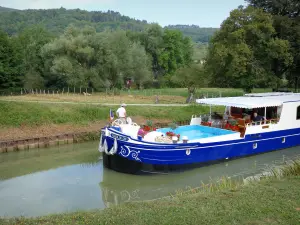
46	4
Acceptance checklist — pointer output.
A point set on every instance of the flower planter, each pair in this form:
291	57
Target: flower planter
170	134
147	128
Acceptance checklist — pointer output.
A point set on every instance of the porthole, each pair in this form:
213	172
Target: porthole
255	146
283	140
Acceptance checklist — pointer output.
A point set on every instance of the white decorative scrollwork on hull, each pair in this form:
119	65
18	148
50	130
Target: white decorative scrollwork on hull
126	152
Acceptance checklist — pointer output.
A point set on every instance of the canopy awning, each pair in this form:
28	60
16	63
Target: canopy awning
268	94
242	102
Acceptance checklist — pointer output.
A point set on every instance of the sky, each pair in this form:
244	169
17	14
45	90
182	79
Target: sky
205	13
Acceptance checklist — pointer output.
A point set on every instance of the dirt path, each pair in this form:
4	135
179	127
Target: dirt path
93	103
26	132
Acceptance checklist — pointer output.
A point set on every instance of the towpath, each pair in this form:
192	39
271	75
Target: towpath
95	103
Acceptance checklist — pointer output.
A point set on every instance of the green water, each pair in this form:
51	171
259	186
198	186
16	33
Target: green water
72	177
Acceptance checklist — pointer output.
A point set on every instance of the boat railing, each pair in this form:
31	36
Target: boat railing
209	120
208	116
263	122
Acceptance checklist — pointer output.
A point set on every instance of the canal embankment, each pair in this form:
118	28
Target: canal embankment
37	125
274	199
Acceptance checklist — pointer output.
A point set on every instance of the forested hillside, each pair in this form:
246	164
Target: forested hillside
4	9
197	33
56	21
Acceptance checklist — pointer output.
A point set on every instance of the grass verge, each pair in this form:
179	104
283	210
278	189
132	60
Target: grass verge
275	200
14	114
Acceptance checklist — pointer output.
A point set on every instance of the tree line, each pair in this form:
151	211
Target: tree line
257	46
198	35
83	57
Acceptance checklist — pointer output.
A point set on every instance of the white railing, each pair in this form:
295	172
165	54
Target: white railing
263	122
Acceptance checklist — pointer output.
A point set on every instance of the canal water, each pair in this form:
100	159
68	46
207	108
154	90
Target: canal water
71	178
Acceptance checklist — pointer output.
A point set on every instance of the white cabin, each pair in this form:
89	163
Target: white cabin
280	111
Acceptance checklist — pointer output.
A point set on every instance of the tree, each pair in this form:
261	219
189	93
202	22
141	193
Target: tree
9	63
29	44
139	65
286	22
152	40
191	77
90	59
290	8
177	51
244	53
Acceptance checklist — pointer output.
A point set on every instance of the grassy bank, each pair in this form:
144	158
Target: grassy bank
13	114
275	200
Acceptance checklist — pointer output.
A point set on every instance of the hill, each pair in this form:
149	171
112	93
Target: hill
198	34
56	20
4	9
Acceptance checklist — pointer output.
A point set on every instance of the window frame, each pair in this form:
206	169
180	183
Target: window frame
298	113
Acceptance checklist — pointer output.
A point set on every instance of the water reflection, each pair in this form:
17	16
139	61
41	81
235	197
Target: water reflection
71	178
117	189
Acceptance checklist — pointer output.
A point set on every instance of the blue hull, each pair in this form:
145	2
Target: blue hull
141	157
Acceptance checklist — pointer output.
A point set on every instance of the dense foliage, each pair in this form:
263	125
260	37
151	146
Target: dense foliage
83	57
286	22
4	9
197	34
9	63
257	46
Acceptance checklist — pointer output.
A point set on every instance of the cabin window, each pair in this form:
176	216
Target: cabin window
298	112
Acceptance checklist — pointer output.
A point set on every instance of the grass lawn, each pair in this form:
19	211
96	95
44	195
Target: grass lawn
274	201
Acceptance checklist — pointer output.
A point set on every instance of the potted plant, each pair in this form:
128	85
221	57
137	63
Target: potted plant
148	126
204	121
233	125
173	125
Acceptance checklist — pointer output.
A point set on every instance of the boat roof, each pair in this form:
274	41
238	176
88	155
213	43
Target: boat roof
269	94
259	100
